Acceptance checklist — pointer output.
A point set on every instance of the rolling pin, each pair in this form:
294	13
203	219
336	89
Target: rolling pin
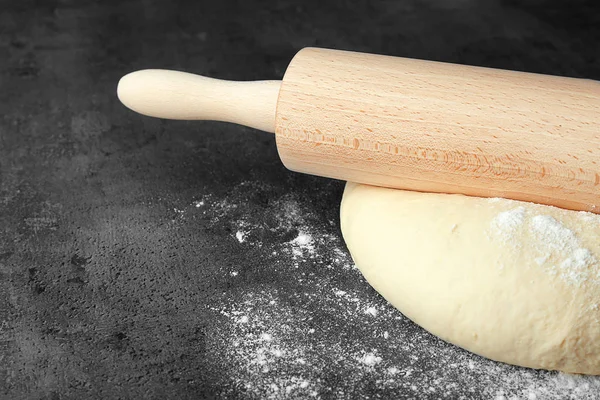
406	124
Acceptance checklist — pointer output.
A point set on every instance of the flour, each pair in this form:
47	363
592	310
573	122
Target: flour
557	248
272	355
369	359
371	311
556	236
507	222
305	324
240	236
303	244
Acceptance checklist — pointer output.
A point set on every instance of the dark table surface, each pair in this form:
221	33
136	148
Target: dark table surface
142	258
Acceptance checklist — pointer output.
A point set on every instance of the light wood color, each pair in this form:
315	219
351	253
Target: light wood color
437	127
408	124
180	95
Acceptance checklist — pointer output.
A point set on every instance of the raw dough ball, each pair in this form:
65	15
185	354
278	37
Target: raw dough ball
512	281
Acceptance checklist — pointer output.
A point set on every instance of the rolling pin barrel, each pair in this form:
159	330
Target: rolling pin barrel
409	124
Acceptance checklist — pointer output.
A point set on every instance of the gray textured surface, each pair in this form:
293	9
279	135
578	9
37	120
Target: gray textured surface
120	269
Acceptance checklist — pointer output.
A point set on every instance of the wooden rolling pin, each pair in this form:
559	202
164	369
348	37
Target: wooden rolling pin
407	124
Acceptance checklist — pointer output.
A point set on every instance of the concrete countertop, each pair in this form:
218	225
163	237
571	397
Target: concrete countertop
142	258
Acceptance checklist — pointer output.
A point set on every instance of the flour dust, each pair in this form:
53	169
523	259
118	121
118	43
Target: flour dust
303	323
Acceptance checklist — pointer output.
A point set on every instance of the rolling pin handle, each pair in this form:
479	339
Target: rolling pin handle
183	96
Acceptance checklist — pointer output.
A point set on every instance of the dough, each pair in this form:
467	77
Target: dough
512	281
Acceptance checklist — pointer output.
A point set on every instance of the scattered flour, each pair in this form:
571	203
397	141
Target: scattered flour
369	359
306	324
240	236
507	222
303	244
266	352
371	311
557	248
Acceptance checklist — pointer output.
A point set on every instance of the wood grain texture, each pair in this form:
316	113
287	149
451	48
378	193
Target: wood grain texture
438	127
